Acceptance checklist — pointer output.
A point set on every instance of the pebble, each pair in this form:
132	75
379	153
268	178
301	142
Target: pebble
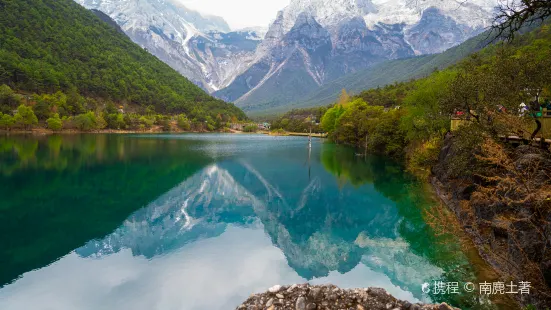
301	303
274	289
444	306
315	293
329	297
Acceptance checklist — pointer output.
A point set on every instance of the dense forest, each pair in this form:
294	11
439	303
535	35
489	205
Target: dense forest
65	62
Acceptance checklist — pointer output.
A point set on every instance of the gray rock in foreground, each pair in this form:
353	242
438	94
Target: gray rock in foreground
309	297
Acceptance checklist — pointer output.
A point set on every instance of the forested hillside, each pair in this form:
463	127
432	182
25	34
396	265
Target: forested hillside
52	46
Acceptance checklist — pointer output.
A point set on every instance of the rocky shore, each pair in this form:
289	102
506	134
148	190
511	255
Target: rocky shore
511	232
310	297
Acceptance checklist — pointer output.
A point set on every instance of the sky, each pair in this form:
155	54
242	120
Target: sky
240	13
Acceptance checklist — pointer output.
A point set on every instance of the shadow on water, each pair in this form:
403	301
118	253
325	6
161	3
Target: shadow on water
58	192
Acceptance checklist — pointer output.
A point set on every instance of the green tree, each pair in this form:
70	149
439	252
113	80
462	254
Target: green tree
8	99
115	121
42	110
250	128
329	119
183	122
55	123
423	117
6	121
25	117
357	122
146	122
86	121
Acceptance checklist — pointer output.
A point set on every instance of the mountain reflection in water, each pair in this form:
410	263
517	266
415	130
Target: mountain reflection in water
249	218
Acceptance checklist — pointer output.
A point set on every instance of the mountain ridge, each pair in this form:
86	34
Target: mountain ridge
358	40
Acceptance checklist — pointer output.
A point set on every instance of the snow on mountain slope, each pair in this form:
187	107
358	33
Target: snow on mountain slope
263	68
475	13
328	13
200	47
362	33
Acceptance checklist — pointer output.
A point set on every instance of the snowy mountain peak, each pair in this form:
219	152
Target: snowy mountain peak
162	13
475	14
326	12
330	13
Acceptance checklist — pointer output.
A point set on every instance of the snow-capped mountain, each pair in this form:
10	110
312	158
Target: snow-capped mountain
200	47
312	42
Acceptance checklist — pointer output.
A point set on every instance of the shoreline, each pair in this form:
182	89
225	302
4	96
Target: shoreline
44	132
330	297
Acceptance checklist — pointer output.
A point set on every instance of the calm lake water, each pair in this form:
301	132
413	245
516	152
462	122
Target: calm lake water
203	221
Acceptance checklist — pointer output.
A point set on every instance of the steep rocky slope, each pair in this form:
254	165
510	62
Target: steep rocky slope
313	42
511	233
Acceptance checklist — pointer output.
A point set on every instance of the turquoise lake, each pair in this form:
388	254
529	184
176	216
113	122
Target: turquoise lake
201	221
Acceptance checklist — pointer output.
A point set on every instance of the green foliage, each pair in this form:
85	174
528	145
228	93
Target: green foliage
423	117
183	122
250	128
55	123
278	132
425	156
115	121
329	119
301	120
6	121
357	122
25	118
41	52
164	122
42	110
386	137
147	122
8	99
86	122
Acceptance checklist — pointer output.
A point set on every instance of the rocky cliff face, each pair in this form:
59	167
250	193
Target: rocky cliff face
512	233
436	32
312	42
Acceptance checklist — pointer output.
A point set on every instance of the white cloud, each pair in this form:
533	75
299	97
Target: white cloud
240	13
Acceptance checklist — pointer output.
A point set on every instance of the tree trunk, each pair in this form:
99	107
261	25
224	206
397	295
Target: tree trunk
535	133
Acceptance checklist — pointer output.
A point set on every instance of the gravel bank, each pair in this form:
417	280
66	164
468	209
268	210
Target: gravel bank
309	297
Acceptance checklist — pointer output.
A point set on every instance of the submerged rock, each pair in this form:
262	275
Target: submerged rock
306	296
